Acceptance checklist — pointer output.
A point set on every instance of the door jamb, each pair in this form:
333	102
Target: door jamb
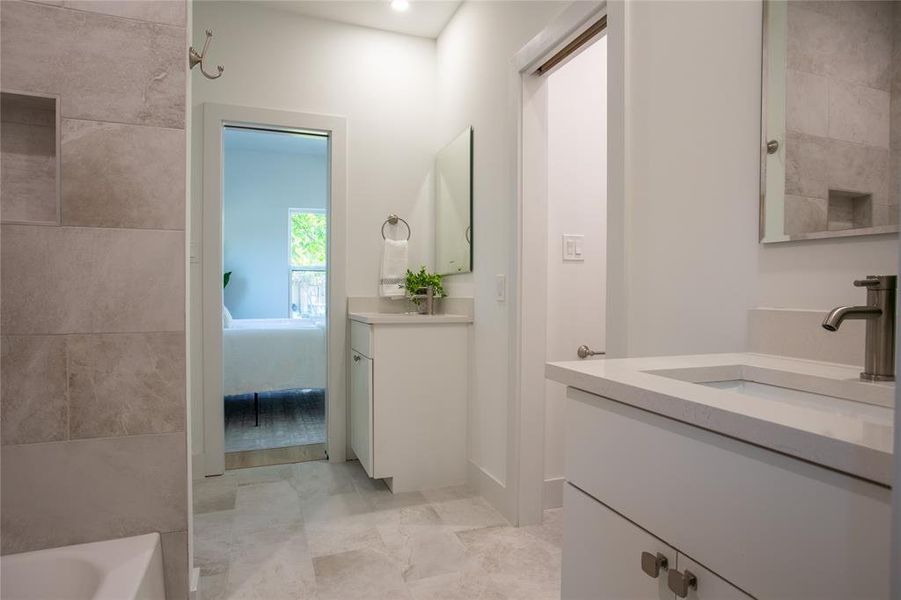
525	462
215	116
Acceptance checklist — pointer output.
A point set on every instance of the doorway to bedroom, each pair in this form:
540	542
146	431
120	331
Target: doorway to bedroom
275	224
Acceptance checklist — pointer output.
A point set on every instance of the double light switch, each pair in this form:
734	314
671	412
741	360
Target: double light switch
573	246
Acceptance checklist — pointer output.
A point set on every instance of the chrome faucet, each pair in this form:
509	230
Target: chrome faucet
879	356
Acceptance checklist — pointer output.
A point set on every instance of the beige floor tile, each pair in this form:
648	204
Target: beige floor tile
456	492
278	570
469	513
213	538
213	587
320	478
332	536
213	494
325	531
364	574
320	508
257	475
513	553
550	529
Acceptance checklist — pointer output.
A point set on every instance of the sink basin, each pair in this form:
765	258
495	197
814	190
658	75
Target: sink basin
873	402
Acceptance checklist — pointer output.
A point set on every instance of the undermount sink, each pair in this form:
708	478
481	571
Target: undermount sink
873	402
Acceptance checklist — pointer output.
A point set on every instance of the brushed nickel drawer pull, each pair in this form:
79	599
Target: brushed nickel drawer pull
651	564
680	583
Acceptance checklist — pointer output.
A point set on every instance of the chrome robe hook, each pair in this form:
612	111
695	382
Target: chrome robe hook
196	58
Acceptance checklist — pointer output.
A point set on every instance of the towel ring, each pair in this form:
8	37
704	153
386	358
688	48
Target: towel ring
393	219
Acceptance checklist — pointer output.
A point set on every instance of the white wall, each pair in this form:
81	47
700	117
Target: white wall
474	55
260	188
693	130
577	204
383	83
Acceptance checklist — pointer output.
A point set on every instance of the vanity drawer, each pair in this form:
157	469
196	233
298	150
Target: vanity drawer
361	338
772	525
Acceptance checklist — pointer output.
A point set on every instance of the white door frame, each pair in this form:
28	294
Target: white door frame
215	116
529	341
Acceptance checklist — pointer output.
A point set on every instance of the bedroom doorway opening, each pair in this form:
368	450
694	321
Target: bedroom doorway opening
275	228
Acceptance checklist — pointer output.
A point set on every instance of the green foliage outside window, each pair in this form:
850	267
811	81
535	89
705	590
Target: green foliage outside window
308	239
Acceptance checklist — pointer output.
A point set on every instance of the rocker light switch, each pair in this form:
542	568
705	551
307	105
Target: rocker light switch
573	247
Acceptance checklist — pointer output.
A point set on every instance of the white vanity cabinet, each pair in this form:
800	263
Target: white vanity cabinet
409	382
754	521
607	556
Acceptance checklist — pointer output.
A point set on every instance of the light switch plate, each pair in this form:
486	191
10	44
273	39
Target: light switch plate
500	291
573	247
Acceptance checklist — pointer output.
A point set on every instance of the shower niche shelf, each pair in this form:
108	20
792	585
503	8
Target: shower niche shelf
29	158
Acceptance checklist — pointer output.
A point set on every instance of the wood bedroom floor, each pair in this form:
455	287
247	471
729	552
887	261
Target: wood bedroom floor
326	531
287	418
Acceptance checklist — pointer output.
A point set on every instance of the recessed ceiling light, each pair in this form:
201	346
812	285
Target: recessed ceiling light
400	5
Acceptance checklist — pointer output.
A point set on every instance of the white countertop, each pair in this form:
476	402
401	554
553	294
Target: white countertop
848	436
406	318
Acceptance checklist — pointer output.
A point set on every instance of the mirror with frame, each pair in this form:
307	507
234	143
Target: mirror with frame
453	206
831	119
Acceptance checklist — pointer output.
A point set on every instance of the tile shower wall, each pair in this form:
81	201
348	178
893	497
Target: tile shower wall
842	88
92	352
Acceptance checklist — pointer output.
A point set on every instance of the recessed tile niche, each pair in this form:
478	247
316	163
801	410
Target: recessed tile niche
849	210
29	158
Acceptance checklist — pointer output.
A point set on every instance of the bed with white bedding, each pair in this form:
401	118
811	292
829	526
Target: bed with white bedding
264	355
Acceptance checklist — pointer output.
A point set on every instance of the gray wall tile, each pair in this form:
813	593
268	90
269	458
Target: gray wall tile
806	103
81	280
859	114
104	68
126	384
63	493
171	12
33	404
118	175
806	166
852	43
175	564
804	215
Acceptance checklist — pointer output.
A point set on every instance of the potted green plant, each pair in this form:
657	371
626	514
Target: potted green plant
418	286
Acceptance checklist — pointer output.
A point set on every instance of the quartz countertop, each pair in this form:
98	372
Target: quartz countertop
850	436
406	318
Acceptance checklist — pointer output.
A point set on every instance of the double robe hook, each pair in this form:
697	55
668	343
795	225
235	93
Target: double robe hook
196	58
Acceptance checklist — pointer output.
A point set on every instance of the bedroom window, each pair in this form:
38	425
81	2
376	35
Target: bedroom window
308	231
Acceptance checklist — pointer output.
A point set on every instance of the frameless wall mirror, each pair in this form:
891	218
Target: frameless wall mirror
831	119
453	206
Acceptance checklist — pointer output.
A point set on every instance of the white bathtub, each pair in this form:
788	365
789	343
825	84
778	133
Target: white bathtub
123	569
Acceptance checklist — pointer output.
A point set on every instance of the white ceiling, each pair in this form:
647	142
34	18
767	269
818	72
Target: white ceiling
425	18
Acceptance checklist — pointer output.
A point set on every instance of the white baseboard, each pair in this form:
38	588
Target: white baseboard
492	490
194	591
553	493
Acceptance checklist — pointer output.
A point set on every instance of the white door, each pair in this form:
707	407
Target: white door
576	231
602	554
361	409
708	586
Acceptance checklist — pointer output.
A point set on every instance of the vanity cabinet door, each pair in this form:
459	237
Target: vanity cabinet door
361	409
709	586
602	554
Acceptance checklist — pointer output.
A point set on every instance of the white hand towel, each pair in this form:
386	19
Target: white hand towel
394	269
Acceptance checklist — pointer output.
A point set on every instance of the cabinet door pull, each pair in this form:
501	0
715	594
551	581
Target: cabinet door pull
356	358
652	564
680	583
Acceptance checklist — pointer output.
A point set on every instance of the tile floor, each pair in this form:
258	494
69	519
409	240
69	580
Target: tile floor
287	418
324	531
